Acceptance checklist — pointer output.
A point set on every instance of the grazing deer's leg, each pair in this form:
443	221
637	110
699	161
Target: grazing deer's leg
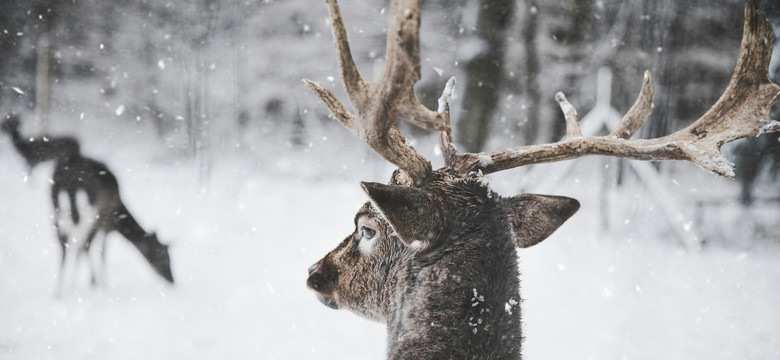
78	264
74	207
97	243
99	257
82	232
70	262
93	255
90	222
63	240
76	227
63	223
105	210
60	237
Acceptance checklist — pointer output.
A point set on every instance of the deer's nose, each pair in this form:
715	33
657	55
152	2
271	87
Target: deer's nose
316	280
320	279
314	268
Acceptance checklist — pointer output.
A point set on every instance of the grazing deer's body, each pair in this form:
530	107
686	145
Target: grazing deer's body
106	213
86	200
433	252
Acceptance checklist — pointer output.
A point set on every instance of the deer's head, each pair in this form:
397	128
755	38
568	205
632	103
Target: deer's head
156	253
401	224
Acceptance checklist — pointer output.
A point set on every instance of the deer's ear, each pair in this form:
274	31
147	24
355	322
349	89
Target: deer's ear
412	213
535	217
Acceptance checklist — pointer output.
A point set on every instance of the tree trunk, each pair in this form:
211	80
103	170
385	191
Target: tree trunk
485	74
530	126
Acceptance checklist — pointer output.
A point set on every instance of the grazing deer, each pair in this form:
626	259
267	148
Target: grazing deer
433	252
86	200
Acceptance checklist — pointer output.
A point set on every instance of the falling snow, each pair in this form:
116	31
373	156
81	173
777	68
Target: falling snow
615	281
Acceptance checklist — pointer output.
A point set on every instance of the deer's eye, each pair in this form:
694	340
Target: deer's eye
367	233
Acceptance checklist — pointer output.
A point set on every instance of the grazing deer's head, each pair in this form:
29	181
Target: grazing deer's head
156	253
433	252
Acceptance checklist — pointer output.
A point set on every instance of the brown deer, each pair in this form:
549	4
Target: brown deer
85	195
433	252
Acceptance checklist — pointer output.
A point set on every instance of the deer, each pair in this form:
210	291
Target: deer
86	200
433	254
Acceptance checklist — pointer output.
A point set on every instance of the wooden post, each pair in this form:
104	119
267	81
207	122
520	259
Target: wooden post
42	85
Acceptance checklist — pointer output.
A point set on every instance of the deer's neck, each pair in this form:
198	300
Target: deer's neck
24	148
457	304
16	137
125	224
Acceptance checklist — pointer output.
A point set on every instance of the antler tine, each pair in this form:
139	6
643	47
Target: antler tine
638	114
448	149
344	116
570	113
380	105
350	76
742	111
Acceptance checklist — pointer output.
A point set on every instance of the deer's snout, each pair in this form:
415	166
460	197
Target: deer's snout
318	279
322	281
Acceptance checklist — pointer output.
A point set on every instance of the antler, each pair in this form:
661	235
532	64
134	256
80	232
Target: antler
382	104
742	111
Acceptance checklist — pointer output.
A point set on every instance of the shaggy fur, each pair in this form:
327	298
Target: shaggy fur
443	274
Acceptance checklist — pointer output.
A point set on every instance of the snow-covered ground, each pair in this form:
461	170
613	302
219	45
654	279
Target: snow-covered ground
242	242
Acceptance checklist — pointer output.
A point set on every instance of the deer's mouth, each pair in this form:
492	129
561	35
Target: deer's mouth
329	301
322	284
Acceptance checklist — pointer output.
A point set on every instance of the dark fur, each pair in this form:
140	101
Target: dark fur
74	173
36	150
451	292
81	173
